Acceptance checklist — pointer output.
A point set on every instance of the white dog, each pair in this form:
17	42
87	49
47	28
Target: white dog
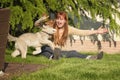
36	40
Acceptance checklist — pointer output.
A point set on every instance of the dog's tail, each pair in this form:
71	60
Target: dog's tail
11	38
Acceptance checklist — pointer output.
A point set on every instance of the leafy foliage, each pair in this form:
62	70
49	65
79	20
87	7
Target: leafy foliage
25	12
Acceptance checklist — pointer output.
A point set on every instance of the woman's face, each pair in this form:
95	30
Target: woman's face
60	21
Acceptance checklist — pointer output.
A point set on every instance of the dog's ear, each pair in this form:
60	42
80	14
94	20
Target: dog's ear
50	23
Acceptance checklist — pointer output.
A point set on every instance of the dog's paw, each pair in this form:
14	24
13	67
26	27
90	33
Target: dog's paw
13	55
36	52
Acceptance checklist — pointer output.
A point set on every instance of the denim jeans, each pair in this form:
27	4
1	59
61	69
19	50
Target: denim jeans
47	52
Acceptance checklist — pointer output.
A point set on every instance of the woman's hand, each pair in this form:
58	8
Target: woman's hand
102	30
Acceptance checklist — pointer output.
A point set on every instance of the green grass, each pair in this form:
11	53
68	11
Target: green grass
71	68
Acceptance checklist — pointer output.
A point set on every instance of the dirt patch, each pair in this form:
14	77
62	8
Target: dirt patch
16	69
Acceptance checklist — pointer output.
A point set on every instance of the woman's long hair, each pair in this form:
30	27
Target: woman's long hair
61	42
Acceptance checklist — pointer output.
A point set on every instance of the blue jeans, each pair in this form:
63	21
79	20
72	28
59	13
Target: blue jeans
48	52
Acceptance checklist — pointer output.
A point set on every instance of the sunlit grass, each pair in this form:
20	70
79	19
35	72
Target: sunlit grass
71	68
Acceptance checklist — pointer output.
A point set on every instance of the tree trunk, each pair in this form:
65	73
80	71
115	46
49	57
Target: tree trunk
4	29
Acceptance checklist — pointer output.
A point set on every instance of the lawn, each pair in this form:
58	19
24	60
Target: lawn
71	68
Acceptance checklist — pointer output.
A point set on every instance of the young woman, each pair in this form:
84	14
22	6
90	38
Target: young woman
60	23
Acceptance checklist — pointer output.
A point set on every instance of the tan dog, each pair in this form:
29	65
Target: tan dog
36	40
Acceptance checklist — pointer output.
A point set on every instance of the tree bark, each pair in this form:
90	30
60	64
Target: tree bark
4	29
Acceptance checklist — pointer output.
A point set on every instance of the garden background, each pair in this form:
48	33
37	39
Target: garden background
23	15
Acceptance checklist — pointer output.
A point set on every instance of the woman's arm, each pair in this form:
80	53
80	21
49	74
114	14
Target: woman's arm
42	19
75	31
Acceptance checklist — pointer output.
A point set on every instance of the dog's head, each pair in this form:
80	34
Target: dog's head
48	29
50	23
